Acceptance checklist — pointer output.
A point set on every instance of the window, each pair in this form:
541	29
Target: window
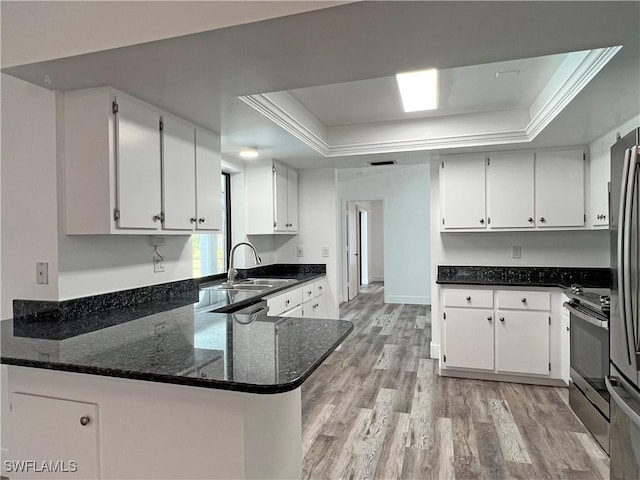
211	251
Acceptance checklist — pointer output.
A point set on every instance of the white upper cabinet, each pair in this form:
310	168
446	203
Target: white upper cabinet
208	191
272	198
524	190
599	185
560	189
510	190
463	192
124	174
138	170
178	175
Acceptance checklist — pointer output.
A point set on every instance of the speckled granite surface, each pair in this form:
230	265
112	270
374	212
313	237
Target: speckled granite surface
524	276
256	354
168	333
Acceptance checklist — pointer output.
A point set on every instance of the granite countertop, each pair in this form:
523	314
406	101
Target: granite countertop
177	340
562	277
247	353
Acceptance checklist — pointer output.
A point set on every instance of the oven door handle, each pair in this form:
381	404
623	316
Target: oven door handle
586	318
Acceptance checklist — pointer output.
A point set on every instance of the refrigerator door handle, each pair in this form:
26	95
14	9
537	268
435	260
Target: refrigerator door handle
622	241
618	388
628	233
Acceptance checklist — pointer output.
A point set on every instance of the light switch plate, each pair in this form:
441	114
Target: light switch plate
516	252
42	273
300	251
325	251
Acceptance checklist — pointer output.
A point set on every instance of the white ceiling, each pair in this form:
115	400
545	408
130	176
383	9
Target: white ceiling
200	76
462	90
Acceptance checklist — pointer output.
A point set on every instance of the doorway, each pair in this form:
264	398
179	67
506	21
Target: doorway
363	246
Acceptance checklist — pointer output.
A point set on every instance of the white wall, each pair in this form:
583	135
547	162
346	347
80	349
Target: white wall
29	215
405	195
318	227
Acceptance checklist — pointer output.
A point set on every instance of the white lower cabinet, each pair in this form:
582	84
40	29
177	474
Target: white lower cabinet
469	338
60	436
306	301
513	334
522	342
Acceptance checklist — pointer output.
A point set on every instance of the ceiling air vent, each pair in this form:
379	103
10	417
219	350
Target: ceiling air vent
384	162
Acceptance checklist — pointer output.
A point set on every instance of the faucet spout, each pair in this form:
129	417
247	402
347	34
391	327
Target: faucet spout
232	272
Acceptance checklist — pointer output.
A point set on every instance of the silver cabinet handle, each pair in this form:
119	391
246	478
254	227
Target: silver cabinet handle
542	219
530	219
84	421
201	220
468	299
287	302
192	219
482	220
159	217
320	288
489	318
502	319
523	300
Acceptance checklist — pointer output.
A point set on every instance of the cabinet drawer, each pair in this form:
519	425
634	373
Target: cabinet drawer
308	292
285	301
319	287
468	298
523	300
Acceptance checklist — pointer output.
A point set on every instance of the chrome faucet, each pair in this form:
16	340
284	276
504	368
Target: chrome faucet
231	274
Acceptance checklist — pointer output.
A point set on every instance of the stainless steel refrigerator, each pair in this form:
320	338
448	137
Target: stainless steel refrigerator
623	382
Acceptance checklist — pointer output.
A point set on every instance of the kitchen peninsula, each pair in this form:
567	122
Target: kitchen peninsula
207	395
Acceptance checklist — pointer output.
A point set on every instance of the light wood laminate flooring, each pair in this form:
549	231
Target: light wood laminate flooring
376	408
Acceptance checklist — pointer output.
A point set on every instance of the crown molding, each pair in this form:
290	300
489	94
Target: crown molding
577	76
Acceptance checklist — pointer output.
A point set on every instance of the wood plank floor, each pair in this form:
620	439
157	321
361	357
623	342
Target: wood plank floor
376	408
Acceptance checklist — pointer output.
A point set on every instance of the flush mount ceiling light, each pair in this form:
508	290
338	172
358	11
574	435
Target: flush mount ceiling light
503	73
419	90
249	152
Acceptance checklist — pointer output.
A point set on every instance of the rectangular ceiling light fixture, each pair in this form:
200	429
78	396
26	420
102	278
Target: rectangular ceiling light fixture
419	90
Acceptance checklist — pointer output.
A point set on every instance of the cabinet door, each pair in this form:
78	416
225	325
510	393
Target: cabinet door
208	189
463	192
138	165
292	199
50	429
560	189
599	183
178	175
510	190
522	342
468	338
280	192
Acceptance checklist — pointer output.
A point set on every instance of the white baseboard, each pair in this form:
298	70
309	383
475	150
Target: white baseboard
376	278
412	300
435	350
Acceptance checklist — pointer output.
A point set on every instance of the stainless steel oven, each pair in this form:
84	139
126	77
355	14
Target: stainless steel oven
589	359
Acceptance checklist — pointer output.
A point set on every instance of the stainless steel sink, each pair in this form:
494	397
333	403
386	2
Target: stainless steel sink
253	284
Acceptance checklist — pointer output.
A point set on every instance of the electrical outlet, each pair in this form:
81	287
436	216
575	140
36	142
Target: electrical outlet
300	251
42	273
516	252
158	264
325	251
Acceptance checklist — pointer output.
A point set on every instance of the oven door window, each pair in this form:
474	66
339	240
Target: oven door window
590	353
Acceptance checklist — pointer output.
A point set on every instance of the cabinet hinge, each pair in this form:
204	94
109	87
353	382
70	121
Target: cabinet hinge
161	124
584	157
443	221
273	169
444	315
114	107
549	320
444	358
11	406
549	366
488	161
274	224
488	220
116	214
585	217
442	164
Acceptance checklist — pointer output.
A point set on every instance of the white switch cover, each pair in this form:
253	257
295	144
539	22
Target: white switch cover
42	273
516	252
325	251
158	264
300	251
